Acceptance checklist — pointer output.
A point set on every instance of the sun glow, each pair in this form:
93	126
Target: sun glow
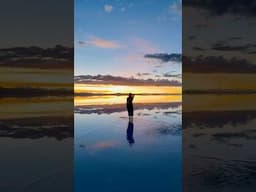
114	89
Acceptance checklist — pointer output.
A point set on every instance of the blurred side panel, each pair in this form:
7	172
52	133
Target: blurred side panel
36	95
219	91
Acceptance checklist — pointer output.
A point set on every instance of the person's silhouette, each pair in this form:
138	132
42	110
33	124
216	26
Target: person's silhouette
129	104
129	132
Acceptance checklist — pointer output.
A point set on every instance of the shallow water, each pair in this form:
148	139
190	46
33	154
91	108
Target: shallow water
113	153
219	138
36	144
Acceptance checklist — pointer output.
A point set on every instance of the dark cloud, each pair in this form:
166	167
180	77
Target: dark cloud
81	43
34	92
36	57
220	7
116	80
222	46
164	57
213	64
198	49
143	74
172	75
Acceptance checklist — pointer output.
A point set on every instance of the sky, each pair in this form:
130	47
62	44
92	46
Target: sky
36	23
128	38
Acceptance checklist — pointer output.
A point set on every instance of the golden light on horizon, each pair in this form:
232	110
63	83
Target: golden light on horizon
112	89
113	100
14	77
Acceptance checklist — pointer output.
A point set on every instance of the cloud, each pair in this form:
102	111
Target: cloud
164	57
117	80
198	48
108	8
220	7
101	43
37	57
214	64
82	43
172	75
143	74
221	46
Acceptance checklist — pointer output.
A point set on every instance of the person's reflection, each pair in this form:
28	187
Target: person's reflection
129	132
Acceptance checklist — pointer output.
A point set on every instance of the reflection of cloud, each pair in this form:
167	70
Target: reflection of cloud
219	173
102	145
108	109
174	130
36	128
108	8
116	80
164	57
166	129
208	119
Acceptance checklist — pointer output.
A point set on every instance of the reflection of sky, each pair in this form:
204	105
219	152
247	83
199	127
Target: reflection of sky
40	78
102	152
12	108
220	157
218	142
41	160
112	38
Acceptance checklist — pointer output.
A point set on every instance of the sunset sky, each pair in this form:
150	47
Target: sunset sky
129	39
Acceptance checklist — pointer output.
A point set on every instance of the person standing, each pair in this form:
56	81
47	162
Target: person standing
129	104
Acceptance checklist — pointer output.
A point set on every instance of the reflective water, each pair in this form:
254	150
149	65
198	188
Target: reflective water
36	144
115	153
219	138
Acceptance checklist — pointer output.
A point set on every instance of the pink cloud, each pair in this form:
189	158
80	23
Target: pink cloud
100	43
103	43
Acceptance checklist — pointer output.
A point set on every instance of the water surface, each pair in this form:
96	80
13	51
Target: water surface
115	153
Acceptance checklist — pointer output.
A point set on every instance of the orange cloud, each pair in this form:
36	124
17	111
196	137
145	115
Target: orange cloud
103	43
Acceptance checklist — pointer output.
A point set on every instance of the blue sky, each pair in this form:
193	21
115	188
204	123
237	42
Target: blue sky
112	37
